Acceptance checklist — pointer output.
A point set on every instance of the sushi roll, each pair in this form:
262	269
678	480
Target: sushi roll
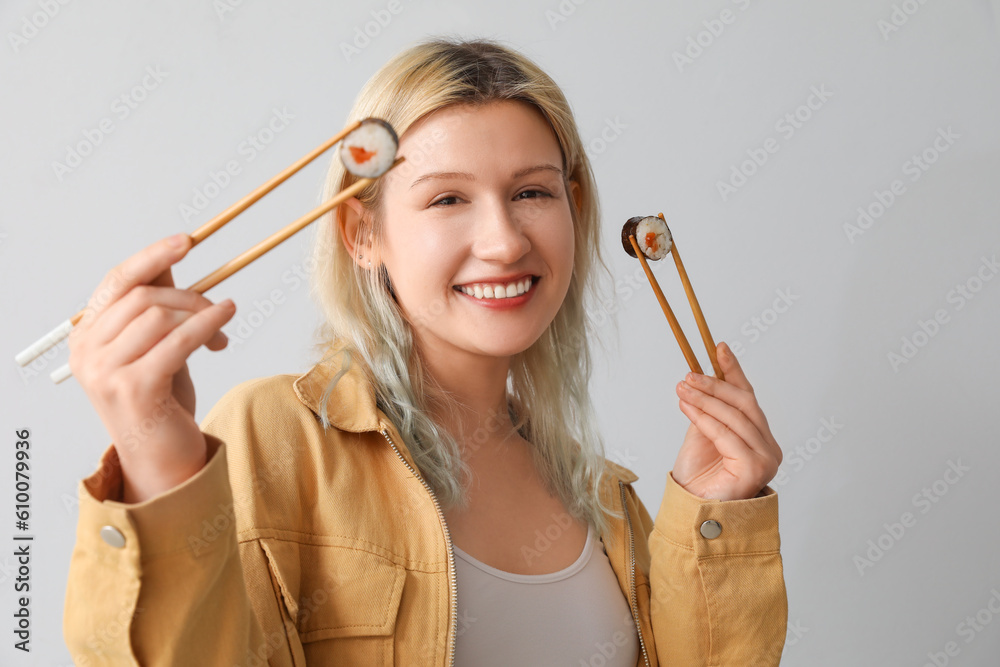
651	235
369	150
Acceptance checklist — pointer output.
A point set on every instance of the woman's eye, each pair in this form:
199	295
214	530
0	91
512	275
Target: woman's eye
445	199
535	194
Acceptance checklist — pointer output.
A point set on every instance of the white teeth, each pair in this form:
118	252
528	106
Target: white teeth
497	291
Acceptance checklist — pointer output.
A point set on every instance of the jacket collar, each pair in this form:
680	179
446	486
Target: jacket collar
351	405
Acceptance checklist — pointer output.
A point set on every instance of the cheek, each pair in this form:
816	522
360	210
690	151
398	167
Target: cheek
558	240
421	265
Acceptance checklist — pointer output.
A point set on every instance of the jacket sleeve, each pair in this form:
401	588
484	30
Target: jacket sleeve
720	600
170	585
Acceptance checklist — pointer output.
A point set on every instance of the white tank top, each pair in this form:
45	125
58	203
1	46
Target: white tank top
575	617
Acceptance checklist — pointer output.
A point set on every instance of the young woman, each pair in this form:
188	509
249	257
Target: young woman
434	490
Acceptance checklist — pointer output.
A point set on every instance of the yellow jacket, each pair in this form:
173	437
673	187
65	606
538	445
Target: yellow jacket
295	546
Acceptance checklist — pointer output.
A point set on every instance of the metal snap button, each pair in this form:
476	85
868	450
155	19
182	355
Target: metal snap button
711	529
113	536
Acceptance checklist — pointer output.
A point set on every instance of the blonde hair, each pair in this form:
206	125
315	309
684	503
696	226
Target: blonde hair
549	401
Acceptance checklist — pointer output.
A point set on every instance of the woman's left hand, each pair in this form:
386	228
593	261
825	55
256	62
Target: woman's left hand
728	452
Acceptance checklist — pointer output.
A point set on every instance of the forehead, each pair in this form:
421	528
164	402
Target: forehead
509	132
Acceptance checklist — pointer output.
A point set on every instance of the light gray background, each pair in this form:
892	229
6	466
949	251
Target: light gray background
670	135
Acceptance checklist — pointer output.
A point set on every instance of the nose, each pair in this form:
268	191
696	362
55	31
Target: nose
498	235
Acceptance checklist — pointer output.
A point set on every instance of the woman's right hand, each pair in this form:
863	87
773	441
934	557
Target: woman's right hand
129	353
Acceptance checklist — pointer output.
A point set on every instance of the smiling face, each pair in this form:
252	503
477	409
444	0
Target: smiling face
483	211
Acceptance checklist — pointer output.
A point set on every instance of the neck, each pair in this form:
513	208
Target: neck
477	385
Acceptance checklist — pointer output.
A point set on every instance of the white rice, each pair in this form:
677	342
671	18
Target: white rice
658	245
375	143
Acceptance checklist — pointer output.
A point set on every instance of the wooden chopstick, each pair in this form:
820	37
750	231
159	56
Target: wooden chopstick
234	265
231	267
63	329
218	221
674	325
699	317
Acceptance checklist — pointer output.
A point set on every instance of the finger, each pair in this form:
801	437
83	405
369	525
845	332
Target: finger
142	333
729	444
139	299
172	351
743	400
218	342
750	475
141	268
165	279
726	415
731	367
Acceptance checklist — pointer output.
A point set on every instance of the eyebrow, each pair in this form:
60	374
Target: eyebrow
469	177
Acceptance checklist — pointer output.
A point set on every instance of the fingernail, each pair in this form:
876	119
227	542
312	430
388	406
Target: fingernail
177	240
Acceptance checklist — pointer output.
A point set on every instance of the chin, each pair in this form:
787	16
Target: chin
496	344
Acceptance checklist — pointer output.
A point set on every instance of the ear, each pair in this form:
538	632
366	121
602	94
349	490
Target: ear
574	189
352	213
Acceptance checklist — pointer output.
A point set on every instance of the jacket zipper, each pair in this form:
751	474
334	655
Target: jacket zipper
450	647
633	605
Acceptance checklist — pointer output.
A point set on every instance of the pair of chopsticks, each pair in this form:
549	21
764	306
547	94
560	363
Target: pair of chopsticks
211	280
699	317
